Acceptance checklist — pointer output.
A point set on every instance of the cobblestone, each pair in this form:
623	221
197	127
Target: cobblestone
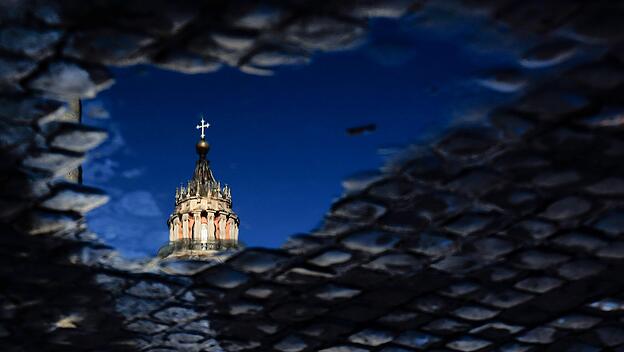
540	284
70	197
372	242
69	80
75	137
566	208
29	41
549	53
107	47
55	162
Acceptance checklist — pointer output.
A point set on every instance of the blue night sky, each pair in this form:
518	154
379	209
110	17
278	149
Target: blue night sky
279	141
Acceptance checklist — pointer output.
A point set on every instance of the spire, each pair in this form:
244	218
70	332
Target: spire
203	182
203	174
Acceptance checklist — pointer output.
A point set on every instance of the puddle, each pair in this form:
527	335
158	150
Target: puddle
282	143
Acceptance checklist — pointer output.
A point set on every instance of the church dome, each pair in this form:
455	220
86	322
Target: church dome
202	222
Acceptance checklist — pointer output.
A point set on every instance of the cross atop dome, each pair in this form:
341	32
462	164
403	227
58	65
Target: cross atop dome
202	126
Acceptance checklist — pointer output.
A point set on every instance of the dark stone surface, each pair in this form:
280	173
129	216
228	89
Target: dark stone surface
504	235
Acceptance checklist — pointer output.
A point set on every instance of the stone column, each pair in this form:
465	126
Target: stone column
204	232
215	223
196	226
235	231
171	231
191	225
222	219
176	228
185	229
211	226
228	229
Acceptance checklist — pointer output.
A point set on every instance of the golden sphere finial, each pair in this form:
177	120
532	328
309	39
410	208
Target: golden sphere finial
202	148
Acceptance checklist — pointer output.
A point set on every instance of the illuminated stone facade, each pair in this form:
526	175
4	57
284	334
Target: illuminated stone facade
202	221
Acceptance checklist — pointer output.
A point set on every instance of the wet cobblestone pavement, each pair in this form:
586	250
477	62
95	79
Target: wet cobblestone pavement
500	236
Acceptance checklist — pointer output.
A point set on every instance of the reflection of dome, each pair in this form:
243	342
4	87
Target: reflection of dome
202	222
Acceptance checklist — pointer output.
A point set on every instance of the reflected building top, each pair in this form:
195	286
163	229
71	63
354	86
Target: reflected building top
202	221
